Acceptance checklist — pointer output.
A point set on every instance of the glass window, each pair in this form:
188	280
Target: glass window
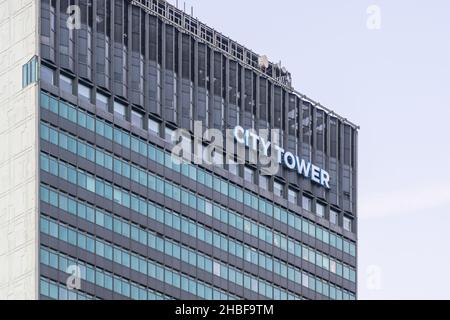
216	268
65	83
53	291
26	77
306	203
278	189
29	72
233	167
53	104
292	196
169	134
334	216
347	222
153	126
217	158
264	182
320	209
333	266
120	109
47	75
45	100
102	101
84	91
249	174
137	119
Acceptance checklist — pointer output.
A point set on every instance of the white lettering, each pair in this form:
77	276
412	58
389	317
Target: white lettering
325	179
186	310
289	160
265	146
315	173
239	134
254	140
303	167
251	140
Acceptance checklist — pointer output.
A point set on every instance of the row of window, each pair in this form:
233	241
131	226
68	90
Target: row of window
66	83
105	159
159	272
147	179
97	276
140	146
278	188
248	173
264	182
142	206
218	76
169	248
293	197
172	191
53	290
190	227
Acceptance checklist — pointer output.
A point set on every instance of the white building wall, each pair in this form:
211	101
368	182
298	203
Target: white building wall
18	152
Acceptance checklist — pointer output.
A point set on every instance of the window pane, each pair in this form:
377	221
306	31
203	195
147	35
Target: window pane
278	189
120	109
233	167
320	210
102	101
169	134
347	224
334	217
306	203
65	83
292	196
137	119
84	91
47	75
264	182
153	126
249	175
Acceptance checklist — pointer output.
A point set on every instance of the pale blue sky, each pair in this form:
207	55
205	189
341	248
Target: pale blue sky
393	82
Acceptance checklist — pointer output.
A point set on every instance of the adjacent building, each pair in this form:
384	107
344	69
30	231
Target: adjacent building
92	205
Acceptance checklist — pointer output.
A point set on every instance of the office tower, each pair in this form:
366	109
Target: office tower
91	93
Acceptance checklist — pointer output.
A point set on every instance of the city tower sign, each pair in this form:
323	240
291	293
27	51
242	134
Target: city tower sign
286	158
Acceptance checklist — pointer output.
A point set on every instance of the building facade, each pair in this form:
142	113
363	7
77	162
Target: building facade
93	205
